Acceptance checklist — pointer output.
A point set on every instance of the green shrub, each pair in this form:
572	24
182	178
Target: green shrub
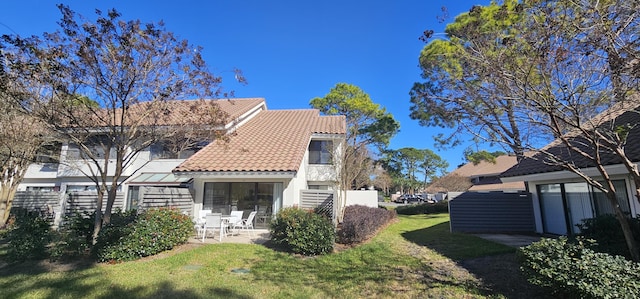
74	236
150	233
360	222
573	269
425	208
606	231
28	236
302	231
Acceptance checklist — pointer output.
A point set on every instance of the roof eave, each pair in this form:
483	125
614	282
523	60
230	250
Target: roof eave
236	174
616	169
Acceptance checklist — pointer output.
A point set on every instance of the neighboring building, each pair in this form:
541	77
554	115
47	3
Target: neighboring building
272	155
485	176
561	199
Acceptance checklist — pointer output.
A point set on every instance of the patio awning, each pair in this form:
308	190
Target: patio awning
159	179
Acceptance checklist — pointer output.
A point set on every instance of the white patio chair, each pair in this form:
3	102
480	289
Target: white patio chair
199	221
247	224
235	218
213	222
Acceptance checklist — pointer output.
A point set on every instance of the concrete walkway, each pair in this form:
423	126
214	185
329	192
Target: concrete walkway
511	240
259	236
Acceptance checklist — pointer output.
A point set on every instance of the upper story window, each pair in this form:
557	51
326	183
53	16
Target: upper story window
96	145
320	151
49	153
175	150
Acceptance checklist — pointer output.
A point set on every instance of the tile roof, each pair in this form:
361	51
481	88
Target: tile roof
540	164
174	112
273	140
177	111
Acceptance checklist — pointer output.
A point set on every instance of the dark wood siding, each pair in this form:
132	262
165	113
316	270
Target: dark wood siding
492	212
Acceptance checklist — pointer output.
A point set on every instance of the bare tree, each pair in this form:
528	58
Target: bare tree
382	179
21	136
109	87
450	183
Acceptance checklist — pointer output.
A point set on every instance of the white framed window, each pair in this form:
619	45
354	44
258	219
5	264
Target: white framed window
320	152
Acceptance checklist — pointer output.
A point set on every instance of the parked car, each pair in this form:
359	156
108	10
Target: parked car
409	198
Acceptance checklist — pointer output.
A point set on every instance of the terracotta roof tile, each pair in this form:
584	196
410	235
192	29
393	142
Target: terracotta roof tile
273	140
174	112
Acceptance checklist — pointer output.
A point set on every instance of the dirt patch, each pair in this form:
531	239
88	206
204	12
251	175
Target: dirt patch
500	274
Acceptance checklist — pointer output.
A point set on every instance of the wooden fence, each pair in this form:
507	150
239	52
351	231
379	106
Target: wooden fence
322	200
492	212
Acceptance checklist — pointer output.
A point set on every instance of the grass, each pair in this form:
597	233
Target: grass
414	257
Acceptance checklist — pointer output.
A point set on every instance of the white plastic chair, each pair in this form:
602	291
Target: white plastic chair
235	218
200	220
247	224
213	222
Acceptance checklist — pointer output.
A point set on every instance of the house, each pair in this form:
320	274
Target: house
266	165
271	158
485	175
561	199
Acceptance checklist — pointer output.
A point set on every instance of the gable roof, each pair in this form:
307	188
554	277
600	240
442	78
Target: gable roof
539	163
488	173
179	111
215	112
485	168
273	140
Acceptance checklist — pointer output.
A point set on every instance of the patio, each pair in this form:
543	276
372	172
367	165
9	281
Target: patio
259	236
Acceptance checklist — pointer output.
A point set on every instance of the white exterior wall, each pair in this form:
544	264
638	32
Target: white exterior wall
532	185
367	198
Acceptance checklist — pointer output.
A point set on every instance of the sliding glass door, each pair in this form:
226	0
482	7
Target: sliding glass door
265	198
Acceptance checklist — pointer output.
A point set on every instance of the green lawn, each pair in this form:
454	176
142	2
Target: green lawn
414	257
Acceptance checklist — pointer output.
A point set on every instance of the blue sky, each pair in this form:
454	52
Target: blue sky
289	51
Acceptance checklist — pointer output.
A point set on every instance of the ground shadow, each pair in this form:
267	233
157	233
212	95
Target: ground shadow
83	284
494	264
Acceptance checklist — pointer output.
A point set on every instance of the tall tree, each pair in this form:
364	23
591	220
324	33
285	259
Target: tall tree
483	155
406	163
369	127
541	70
132	73
432	165
460	91
21	136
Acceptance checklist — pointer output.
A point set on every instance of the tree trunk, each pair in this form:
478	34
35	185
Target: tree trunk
632	243
97	223
6	201
111	198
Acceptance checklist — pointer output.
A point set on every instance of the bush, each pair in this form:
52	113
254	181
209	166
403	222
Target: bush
425	208
361	222
28	235
301	231
151	232
75	235
606	231
573	269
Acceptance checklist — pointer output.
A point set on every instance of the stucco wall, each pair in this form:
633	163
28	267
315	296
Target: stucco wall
367	198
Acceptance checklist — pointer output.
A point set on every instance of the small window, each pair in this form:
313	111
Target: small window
320	152
318	187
